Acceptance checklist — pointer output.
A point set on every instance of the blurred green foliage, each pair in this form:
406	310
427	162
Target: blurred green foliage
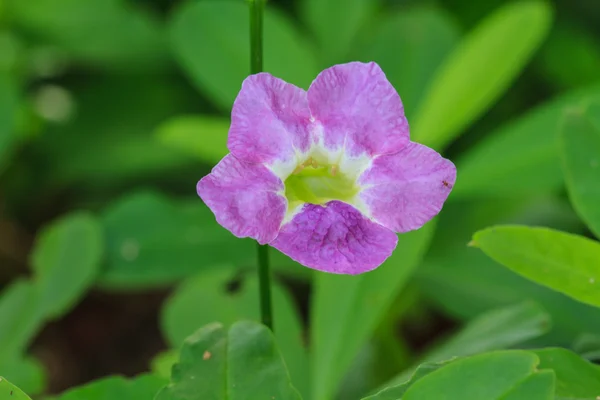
112	110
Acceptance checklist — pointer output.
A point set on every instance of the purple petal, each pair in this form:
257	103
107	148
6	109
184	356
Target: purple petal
407	189
359	108
244	198
335	238
269	119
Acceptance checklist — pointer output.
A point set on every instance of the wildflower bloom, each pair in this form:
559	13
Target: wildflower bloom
326	176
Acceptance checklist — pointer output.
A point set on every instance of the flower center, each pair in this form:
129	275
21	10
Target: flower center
318	184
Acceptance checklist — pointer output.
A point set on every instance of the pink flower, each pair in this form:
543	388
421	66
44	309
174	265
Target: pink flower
327	175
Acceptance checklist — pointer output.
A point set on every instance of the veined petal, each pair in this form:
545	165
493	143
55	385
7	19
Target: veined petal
269	122
356	108
335	238
245	198
405	190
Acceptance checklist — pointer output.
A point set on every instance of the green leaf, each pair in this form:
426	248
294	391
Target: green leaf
204	137
192	306
336	31
480	70
27	373
396	392
346	310
116	387
478	377
561	261
178	240
580	151
409	45
8	391
576	378
21	317
497	329
66	259
111	33
242	363
210	40
539	386
463	282
8	108
163	362
519	158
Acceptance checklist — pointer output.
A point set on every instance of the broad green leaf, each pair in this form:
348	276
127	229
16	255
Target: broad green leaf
396	392
66	259
480	70
463	282
210	40
539	386
336	30
580	151
110	33
520	157
152	240
192	306
111	388
204	137
478	377
8	391
163	362
576	378
409	45
243	363
346	310
497	329
561	261
21	317
27	373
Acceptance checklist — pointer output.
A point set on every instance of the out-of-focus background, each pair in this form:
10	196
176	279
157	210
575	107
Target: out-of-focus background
112	110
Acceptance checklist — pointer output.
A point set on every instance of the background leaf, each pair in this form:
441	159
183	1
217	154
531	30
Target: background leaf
201	136
217	30
461	90
494	330
477	377
192	306
346	309
336	31
564	262
131	37
520	157
8	108
10	391
189	240
409	45
576	378
243	363
66	259
580	149
141	387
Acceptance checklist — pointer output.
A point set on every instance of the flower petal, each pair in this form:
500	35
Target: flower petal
244	198
405	190
269	121
335	238
358	108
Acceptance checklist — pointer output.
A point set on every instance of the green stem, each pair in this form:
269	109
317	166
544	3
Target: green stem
256	65
257	8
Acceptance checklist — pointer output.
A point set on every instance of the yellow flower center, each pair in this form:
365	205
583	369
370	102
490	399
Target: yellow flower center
318	184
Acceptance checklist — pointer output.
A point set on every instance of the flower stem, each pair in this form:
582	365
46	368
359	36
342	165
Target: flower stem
256	65
257	8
